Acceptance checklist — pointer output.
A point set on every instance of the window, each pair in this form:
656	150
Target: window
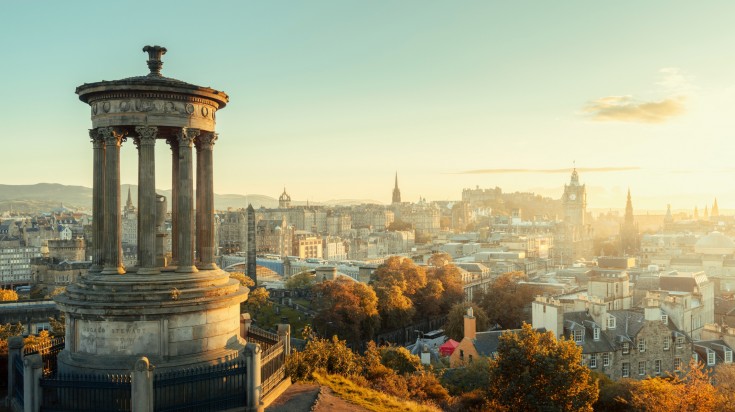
461	354
642	368
626	348
626	369
606	359
677	363
641	345
710	357
611	322
665	319
657	366
578	335
728	356
667	343
470	358
596	333
679	342
593	361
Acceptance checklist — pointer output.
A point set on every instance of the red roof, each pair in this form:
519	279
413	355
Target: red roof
448	347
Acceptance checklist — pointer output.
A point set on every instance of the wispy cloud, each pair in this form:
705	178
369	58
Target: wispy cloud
674	85
565	170
626	109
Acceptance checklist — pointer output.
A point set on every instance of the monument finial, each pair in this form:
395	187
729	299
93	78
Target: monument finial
154	59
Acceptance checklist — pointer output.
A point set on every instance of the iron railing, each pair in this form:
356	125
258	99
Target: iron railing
262	337
273	367
214	388
86	393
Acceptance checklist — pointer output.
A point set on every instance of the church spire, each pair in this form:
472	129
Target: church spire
129	202
629	210
715	209
396	192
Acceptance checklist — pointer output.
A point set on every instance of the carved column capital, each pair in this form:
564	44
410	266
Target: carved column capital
98	142
186	136
206	141
146	136
113	136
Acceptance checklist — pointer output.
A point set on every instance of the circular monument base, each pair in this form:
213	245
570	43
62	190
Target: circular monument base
176	320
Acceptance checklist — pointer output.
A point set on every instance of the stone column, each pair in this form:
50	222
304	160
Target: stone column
205	198
185	202
98	199
253	385
174	143
141	386
146	142
32	373
112	216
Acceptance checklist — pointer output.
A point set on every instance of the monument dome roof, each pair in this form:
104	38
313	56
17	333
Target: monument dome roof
715	243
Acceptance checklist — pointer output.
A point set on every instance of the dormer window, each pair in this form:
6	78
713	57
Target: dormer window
710	358
578	335
728	356
679	342
665	319
596	333
611	322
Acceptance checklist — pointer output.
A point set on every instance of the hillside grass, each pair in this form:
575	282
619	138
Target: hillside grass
367	398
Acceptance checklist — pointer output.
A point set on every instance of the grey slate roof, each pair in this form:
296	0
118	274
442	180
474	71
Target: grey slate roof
582	320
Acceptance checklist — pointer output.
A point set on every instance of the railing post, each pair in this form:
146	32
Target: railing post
245	322
32	372
284	334
141	386
15	350
254	385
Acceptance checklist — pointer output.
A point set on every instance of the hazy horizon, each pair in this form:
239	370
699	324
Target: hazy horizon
331	98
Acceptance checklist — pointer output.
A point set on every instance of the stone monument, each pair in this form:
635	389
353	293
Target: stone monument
179	313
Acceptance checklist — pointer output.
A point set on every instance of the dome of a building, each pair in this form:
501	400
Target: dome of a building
715	243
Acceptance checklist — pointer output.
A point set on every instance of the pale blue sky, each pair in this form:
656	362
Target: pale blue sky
329	98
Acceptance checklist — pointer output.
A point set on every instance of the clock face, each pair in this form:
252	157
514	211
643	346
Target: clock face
572	196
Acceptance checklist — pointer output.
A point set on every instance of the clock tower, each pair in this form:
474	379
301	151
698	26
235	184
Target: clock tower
572	238
574	202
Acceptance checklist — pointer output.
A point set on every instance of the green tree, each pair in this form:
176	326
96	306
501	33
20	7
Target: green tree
347	308
454	328
472	377
450	277
506	301
302	280
258	299
400	360
439	259
328	355
396	309
536	372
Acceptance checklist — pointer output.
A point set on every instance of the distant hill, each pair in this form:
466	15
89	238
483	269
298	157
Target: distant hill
43	197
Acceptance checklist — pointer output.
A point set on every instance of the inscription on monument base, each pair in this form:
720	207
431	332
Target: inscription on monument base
118	338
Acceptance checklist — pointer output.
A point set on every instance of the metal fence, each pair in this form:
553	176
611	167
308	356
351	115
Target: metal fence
273	366
18	379
213	388
49	352
262	337
84	393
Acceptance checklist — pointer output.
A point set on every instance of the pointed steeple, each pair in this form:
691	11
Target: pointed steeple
715	209
629	210
396	192
129	202
696	213
669	217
